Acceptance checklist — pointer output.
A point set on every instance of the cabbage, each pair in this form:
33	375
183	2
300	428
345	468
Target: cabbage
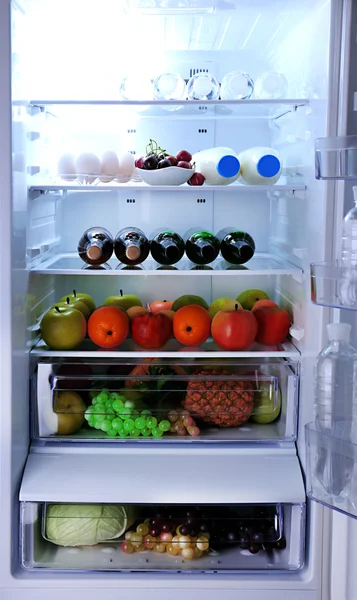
86	524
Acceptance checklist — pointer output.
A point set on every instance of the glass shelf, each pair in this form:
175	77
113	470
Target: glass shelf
260	264
334	285
171	350
331	470
285	184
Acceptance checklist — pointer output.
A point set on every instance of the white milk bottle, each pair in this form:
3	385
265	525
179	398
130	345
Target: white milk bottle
219	166
260	166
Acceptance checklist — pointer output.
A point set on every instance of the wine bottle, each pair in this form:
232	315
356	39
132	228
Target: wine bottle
96	246
131	246
202	247
237	247
167	247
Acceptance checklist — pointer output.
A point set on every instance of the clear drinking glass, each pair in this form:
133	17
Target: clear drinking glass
236	86
271	85
202	86
169	86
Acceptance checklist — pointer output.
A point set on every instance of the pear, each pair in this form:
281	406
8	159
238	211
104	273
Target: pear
223	304
188	299
84	297
69	408
248	298
123	301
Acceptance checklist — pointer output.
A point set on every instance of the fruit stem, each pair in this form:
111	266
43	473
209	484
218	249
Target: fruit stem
74	293
121	292
68	300
236	306
57	309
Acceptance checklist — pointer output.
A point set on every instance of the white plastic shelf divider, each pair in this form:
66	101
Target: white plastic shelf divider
285	184
171	350
260	264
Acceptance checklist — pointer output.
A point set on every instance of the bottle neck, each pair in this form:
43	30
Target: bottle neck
133	250
94	250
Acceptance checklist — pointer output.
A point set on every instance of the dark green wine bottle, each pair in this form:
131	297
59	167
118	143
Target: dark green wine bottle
167	247
202	247
237	247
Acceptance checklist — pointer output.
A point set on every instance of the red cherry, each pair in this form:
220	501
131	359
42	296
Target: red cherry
196	179
184	164
173	160
184	155
140	162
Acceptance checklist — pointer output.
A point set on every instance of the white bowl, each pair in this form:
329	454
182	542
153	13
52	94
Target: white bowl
167	176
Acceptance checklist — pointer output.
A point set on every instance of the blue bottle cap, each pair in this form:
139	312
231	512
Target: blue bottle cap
228	166
268	165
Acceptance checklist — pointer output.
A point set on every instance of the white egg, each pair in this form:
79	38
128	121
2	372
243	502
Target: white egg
126	165
88	167
123	178
67	167
110	166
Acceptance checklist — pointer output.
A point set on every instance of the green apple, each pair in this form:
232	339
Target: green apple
123	301
78	304
264	411
222	304
188	299
70	409
63	328
84	297
248	298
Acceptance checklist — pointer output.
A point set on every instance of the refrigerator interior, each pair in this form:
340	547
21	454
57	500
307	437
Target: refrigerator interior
54	73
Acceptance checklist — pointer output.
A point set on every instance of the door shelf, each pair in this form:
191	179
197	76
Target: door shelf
172	349
260	264
334	285
56	184
332	469
245	390
336	158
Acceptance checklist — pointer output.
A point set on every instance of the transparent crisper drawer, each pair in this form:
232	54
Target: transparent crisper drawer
180	538
334	284
336	158
332	469
157	400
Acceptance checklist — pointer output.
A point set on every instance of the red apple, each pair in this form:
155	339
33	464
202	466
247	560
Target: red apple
160	305
273	325
151	330
234	329
264	302
183	164
184	155
196	179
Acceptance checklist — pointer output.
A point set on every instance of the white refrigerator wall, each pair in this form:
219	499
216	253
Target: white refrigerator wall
283	216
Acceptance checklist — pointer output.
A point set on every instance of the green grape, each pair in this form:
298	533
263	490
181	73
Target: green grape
117	424
140	423
97	424
109	403
112	433
102	397
117	404
95	401
123	433
106	425
91	421
164	425
129	404
146	413
110	412
146	432
135	432
157	433
99	409
151	422
129	424
90	409
87	416
124	412
135	413
99	418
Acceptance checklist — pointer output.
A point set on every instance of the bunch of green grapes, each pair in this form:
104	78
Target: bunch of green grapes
117	416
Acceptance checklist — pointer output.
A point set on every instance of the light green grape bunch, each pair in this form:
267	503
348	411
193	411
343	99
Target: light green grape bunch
117	416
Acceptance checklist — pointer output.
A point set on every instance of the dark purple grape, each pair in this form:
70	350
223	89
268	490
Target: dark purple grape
193	531
231	536
184	530
167	527
257	538
155	532
254	548
204	527
190	514
280	544
246	529
150	162
163	164
244	541
154	522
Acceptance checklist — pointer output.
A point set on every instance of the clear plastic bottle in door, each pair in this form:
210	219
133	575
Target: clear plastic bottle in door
348	285
131	246
335	408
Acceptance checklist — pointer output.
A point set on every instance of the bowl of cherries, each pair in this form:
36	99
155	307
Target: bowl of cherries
158	167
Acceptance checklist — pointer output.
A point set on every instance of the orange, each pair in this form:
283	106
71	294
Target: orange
192	325
108	326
